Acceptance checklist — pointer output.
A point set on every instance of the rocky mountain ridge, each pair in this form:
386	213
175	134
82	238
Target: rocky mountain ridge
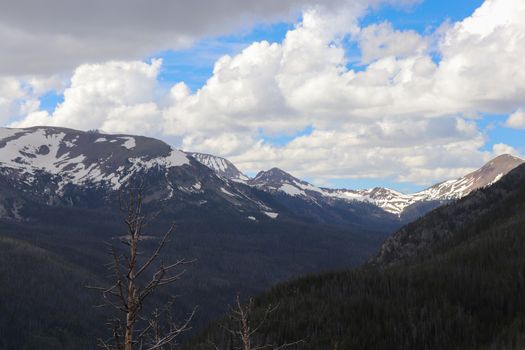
395	202
74	158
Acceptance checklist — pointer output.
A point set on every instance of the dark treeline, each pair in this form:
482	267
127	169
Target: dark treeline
468	293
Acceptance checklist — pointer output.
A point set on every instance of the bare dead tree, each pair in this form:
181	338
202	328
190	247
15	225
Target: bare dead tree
136	277
244	330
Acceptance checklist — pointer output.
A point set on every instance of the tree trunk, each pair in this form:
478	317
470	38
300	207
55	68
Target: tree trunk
130	318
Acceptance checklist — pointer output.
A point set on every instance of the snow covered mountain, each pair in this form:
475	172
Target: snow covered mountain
387	199
79	158
222	166
58	166
493	171
276	180
52	160
69	167
490	173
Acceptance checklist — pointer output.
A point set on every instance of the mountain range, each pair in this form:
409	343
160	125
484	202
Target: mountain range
277	180
88	159
59	205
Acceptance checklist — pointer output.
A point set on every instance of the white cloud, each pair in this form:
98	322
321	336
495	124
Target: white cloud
482	59
115	96
501	148
10	91
20	97
403	116
375	150
16	98
381	40
39	85
516	120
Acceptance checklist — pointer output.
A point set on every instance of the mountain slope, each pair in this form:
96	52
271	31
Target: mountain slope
424	234
465	290
487	175
59	195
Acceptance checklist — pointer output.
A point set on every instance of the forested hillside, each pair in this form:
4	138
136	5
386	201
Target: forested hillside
44	303
466	291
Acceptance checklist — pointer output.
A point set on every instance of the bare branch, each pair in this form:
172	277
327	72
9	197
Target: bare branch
130	330
244	332
155	254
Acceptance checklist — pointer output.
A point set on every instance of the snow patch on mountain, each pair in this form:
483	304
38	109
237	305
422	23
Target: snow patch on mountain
496	179
225	191
174	159
129	142
291	190
271	214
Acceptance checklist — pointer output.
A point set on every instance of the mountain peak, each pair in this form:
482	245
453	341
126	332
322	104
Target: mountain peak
487	175
274	176
503	163
273	172
221	166
277	179
506	156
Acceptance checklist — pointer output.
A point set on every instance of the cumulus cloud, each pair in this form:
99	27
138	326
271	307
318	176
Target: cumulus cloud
381	40
17	98
40	85
481	59
516	120
10	92
501	148
376	150
404	115
115	96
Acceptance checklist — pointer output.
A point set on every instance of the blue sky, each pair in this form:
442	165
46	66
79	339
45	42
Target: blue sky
194	65
425	16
